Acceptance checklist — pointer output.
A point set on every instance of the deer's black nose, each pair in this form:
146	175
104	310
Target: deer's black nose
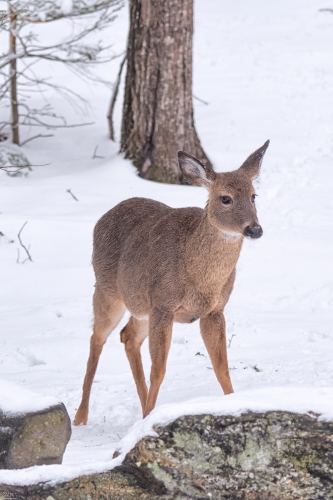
253	232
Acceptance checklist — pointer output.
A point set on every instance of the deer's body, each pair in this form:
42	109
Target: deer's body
167	265
174	277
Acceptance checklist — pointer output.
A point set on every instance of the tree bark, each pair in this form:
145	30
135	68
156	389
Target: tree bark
158	109
13	78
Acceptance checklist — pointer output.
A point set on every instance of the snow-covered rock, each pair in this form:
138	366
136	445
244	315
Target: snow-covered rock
34	429
252	455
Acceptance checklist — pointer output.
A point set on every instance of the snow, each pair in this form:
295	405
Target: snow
66	6
266	71
25	400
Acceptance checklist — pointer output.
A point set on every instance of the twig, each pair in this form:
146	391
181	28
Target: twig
95	155
73	195
201	100
113	100
326	10
21	243
9	168
35	137
256	369
26	258
230	340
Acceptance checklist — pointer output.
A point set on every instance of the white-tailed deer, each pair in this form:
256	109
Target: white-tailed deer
164	265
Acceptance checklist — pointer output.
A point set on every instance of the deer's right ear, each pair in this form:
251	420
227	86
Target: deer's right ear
194	171
252	165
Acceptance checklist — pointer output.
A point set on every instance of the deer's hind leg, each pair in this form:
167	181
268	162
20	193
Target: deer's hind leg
108	311
133	335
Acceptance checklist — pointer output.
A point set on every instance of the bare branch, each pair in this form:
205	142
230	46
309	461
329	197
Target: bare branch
201	100
52	127
11	169
34	118
76	51
21	243
36	137
66	45
114	98
77	12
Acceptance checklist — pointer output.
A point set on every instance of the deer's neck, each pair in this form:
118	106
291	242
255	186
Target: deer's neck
211	254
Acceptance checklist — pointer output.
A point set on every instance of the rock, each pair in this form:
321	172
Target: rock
34	438
122	483
257	456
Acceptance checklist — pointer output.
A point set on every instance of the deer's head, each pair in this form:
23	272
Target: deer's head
231	205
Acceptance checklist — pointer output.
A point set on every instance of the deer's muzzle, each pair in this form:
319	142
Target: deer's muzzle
253	232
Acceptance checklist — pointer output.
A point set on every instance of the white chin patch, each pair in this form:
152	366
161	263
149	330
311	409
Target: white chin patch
231	235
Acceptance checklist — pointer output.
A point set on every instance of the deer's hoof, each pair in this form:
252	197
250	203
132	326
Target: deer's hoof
81	418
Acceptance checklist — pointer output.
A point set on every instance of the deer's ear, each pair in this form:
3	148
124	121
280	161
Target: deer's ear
194	171
252	165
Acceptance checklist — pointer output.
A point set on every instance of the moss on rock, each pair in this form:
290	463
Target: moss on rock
257	456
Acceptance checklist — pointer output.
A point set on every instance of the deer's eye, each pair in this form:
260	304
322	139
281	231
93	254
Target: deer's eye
253	198
226	200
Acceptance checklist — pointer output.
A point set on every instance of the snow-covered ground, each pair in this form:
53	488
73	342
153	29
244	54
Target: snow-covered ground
266	69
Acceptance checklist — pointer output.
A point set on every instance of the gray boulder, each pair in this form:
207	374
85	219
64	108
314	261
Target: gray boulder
34	438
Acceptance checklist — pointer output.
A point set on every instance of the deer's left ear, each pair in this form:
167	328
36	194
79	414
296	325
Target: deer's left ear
194	171
252	165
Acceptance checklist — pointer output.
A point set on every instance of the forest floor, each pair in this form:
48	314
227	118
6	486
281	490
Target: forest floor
266	71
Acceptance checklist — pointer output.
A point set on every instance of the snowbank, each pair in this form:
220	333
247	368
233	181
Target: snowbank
318	401
15	399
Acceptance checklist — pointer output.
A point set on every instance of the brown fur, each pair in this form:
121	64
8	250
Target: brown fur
167	265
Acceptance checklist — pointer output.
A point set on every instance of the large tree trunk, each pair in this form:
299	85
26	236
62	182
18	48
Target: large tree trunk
158	109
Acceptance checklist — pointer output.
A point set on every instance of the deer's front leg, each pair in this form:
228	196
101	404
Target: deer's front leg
214	336
160	330
132	335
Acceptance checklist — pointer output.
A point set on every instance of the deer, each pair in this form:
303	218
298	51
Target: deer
167	265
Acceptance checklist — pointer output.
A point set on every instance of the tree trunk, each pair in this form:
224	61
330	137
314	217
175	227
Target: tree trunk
13	78
158	109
